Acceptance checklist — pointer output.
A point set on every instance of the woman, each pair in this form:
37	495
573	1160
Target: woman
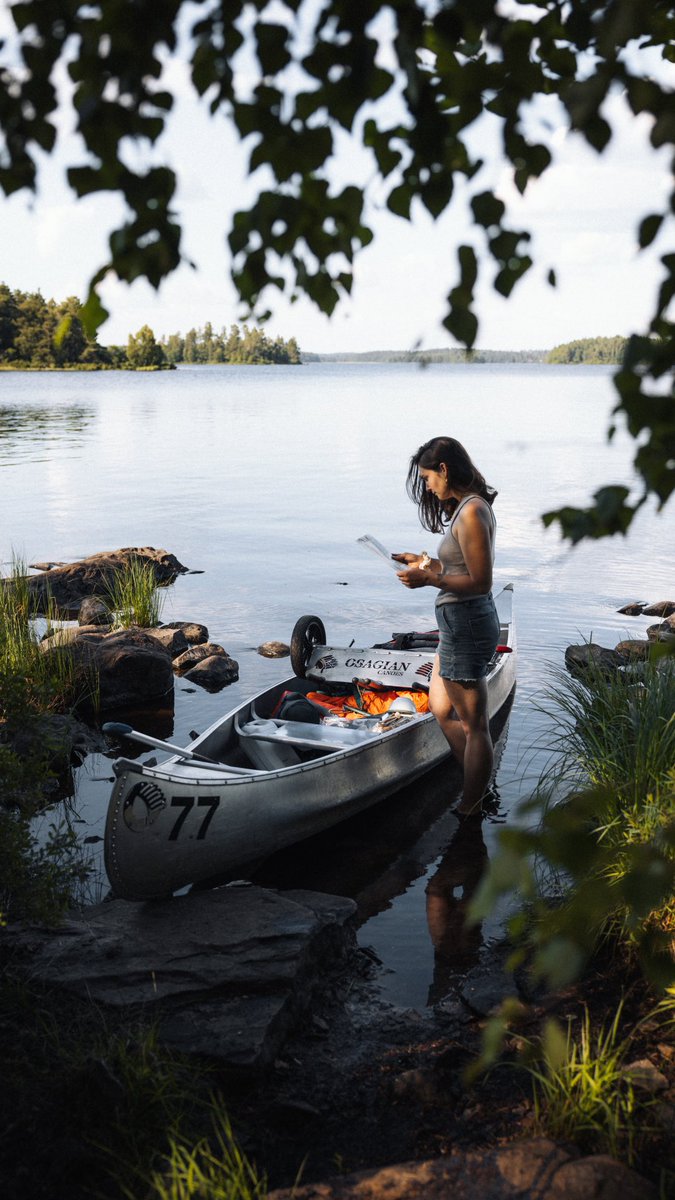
450	492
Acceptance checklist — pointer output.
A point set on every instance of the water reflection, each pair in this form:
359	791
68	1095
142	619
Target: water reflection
412	868
155	722
24	428
456	943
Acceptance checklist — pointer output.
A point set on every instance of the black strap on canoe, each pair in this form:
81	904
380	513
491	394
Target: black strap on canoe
410	641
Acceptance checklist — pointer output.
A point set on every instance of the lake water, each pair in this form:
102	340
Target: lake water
261	479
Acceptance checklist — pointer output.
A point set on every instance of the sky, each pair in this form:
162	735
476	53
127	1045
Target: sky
583	215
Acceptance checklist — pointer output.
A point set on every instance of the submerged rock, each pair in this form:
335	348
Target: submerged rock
662	608
59	736
579	659
274	650
190	657
214	672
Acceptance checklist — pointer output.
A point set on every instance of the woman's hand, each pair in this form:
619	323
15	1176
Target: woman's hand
411	560
414	577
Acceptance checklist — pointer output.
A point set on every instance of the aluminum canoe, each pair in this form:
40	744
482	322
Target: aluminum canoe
267	783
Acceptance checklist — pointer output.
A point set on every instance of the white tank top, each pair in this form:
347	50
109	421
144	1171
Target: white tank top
450	552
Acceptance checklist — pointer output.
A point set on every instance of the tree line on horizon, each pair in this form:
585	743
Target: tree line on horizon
236	345
591	351
441	355
45	334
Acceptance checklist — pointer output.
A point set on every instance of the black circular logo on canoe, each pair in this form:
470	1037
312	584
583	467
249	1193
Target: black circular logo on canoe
143	805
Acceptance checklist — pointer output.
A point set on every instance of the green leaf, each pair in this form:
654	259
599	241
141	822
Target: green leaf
534	161
92	313
508	277
463	325
399	200
436	194
610	514
558	962
597	132
488	211
272	47
649	883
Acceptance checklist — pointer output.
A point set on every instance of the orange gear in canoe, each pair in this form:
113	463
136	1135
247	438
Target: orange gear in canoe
373	701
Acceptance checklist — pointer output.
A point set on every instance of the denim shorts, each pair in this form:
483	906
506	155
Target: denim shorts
468	636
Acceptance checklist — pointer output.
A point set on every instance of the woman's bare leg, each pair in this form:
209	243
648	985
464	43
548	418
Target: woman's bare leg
444	711
468	732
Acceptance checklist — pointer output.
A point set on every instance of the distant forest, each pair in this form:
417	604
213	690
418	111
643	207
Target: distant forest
432	356
40	333
48	334
589	350
43	334
586	350
239	345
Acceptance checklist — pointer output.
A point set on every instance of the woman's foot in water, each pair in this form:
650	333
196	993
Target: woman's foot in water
487	806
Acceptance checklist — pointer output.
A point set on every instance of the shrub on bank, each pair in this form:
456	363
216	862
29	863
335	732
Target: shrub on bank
594	853
38	880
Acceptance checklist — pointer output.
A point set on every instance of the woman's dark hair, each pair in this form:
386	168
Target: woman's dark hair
463	477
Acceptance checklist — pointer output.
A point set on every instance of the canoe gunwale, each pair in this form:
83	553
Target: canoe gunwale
186	774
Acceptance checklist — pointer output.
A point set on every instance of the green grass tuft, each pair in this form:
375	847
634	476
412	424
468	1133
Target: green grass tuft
50	681
134	597
582	1092
215	1167
614	731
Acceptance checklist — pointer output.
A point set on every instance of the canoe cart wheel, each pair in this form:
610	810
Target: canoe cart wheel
308	633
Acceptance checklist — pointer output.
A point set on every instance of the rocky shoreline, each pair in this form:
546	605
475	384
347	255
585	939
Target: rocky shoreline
269	994
269	989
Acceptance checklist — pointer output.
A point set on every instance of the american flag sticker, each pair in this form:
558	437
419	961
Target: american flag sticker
325	663
425	670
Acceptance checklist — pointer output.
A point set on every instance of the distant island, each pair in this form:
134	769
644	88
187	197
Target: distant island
431	356
592	351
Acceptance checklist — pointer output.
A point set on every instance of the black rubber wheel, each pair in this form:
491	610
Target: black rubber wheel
308	633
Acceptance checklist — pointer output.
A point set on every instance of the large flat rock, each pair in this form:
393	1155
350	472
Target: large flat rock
229	970
230	940
532	1170
243	1033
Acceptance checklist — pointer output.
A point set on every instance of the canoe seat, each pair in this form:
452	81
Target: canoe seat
274	740
262	751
